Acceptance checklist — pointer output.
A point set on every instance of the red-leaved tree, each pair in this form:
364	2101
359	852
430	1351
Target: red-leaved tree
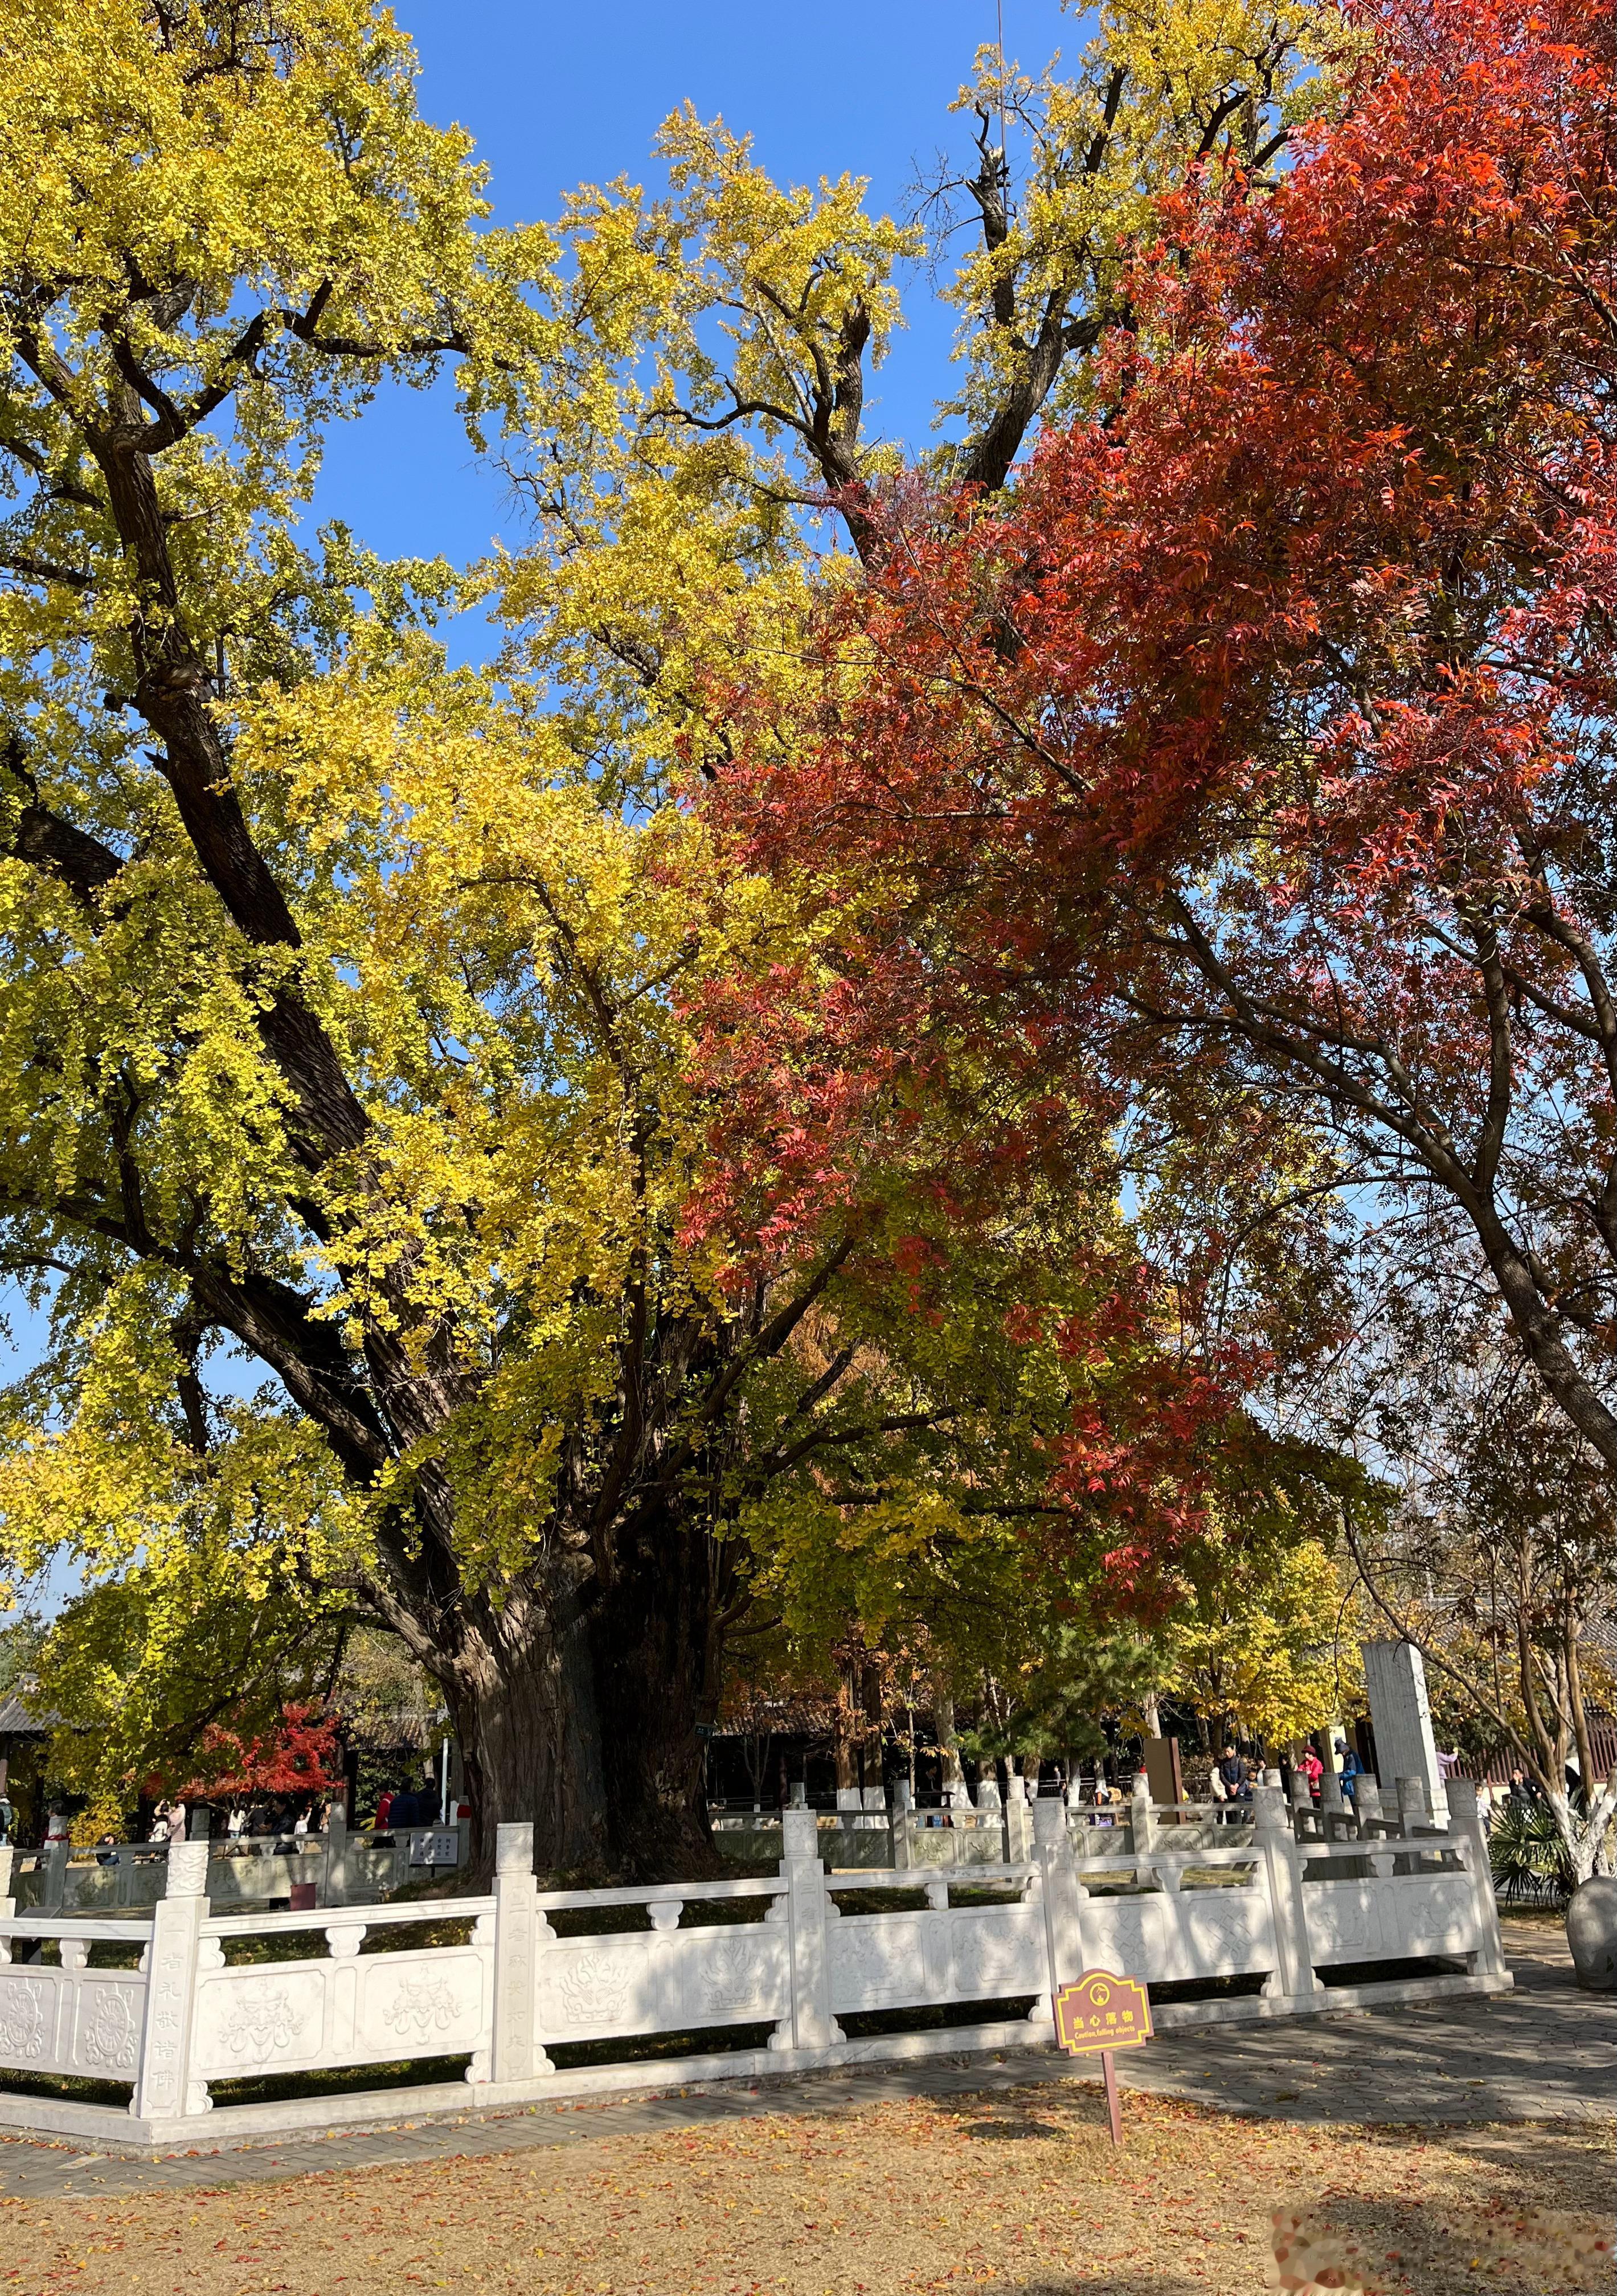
1260	752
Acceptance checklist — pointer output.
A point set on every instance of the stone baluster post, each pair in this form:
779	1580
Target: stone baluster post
811	2025
333	1865
1302	1807
1469	1837
1283	1873
8	1903
1367	1801
903	1823
53	1874
1062	1893
1411	1805
1018	1824
519	1933
1143	1817
164	2089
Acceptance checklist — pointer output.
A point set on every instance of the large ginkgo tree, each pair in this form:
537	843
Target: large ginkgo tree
343	997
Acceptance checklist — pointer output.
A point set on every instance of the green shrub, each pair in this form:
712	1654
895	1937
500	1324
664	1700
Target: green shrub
1530	1865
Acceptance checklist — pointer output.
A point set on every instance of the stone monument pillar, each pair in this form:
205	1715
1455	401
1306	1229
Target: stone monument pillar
1400	1714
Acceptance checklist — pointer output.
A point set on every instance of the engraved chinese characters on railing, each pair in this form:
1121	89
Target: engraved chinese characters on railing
161	2076
109	2029
262	2023
423	2005
732	1976
595	1986
27	2014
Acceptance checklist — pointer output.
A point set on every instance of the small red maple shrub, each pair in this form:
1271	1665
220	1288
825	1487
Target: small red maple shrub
298	1755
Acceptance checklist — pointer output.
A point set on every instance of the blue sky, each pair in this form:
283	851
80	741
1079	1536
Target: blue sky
560	94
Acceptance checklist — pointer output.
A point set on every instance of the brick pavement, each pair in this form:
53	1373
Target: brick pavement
1547	2052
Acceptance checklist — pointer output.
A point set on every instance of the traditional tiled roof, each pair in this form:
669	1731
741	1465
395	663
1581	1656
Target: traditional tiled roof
20	1721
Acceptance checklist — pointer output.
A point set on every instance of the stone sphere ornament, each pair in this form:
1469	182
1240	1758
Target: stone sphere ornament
1591	1931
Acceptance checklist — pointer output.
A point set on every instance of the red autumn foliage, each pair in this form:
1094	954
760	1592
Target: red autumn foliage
1260	752
298	1755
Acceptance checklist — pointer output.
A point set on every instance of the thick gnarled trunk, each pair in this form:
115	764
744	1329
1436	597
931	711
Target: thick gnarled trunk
651	1634
581	1717
523	1694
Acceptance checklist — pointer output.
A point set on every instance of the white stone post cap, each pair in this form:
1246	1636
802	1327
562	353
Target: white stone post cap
187	1868
1269	1809
801	1835
514	1849
1049	1821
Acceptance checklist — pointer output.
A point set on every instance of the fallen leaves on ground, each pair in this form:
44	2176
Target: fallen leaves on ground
1017	2193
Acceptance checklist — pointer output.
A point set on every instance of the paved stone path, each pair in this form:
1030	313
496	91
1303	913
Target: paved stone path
1547	2052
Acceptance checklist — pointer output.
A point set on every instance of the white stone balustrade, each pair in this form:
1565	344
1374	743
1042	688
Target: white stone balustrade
344	1868
537	1976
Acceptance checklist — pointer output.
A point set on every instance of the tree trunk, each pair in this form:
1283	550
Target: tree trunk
954	1794
577	1711
872	1702
653	1648
523	1698
842	1742
1585	1834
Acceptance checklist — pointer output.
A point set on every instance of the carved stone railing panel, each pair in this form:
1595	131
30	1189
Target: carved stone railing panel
1387	1918
382	2008
633	1983
86	2022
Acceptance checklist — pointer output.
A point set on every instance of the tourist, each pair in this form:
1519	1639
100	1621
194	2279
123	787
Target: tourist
1353	1769
384	1810
1523	1790
176	1821
1312	1769
300	1823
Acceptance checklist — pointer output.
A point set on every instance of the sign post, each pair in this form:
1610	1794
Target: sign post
1101	2013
